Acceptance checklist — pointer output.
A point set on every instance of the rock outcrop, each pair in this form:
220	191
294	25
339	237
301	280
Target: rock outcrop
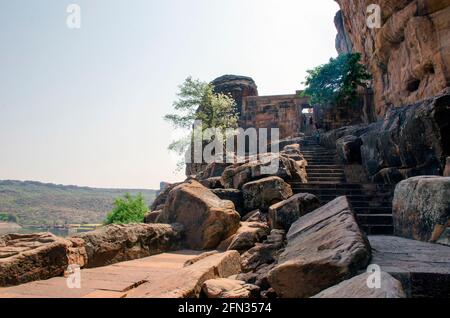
206	218
283	214
255	168
117	243
246	237
412	140
421	208
229	288
358	287
29	257
409	55
447	168
324	248
263	193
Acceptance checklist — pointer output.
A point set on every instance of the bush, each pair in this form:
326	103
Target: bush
336	82
128	210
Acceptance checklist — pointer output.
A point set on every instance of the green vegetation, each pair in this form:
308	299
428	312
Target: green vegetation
128	210
39	204
8	217
336	82
197	101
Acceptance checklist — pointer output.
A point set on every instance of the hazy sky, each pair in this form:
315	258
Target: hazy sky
85	106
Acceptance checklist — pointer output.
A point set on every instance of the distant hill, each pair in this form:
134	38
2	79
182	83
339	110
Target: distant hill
36	203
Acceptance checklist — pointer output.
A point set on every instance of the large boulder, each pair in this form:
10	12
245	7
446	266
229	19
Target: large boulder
263	193
246	237
265	253
207	219
232	195
162	195
283	214
270	164
349	149
324	248
117	243
421	208
358	287
152	217
229	288
30	257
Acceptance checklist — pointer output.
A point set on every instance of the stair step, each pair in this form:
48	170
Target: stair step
375	219
378	229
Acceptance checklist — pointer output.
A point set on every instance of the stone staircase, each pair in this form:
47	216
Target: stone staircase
326	179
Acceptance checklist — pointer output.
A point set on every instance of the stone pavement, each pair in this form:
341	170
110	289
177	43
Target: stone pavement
174	275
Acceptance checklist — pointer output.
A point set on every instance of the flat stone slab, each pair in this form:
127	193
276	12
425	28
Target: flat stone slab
423	268
175	274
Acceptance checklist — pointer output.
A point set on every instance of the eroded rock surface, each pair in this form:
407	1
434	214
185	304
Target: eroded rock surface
263	193
421	208
229	288
207	219
324	248
358	287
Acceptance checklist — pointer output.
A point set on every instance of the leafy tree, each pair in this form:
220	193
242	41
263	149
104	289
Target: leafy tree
198	101
128	210
336	82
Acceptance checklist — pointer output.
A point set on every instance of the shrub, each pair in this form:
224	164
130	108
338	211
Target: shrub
128	210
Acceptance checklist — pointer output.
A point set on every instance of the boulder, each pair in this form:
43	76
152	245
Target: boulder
232	195
254	216
206	218
258	277
29	257
447	168
261	194
349	149
283	214
213	170
212	183
117	243
254	168
324	248
263	254
358	287
421	208
246	237
161	198
229	288
152	217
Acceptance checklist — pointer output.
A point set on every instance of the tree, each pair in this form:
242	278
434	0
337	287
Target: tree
128	210
337	82
198	101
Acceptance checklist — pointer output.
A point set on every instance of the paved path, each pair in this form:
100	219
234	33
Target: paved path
164	275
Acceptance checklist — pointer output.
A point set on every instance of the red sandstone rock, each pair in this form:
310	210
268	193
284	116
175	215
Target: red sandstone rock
409	56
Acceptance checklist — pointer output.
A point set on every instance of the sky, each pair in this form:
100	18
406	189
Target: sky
85	106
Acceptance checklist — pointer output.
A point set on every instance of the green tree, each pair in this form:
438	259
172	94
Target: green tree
337	82
128	209
198	101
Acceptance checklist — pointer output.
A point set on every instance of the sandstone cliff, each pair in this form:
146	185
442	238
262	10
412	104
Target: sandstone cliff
409	56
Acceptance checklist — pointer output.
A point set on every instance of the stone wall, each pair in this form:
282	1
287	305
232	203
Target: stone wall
409	56
281	111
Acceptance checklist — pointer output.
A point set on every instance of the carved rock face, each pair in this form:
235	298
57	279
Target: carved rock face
409	56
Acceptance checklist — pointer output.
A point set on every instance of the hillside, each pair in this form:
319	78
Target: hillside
36	203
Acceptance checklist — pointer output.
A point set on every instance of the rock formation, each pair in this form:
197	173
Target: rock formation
421	208
283	214
206	218
410	141
29	257
263	193
117	243
357	287
324	248
409	56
